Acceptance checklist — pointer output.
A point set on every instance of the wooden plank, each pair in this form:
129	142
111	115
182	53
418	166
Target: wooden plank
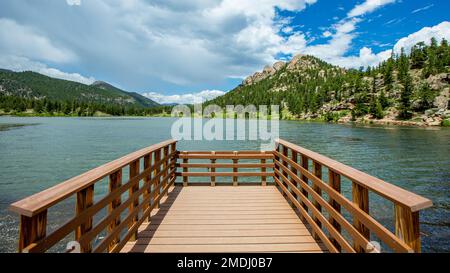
147	179
235	174
134	171
334	181
289	215
49	197
226	165
85	199
32	229
156	184
360	197
317	170
263	170
237	227
235	170
407	227
213	170
224	240
225	156
395	194
224	233
224	221
185	170
165	164
302	247
115	181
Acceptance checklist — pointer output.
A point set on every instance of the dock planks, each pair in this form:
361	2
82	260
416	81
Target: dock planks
224	219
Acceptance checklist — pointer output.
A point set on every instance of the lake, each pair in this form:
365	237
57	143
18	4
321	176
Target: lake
36	153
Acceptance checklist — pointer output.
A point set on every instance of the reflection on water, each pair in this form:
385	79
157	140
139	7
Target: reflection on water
33	158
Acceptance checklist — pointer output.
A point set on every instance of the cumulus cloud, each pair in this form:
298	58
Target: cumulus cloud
189	98
20	64
440	31
161	44
368	6
21	40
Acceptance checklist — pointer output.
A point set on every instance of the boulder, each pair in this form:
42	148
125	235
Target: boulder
279	65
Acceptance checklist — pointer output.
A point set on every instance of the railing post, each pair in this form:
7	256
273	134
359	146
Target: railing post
165	167
407	227
360	196
173	161
156	188
85	199
32	229
115	181
134	171
263	170
147	181
185	170
305	165
277	159
213	170
285	153
317	171
235	170
334	180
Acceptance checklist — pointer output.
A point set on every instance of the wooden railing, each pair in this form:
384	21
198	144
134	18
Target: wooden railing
158	174
229	160
299	174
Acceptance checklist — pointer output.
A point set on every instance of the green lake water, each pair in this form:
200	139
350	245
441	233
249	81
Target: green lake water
36	153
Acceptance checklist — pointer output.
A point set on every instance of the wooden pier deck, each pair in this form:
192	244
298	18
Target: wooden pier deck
225	219
159	199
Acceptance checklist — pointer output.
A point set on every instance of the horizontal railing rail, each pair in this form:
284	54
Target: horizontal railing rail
264	161
302	183
158	174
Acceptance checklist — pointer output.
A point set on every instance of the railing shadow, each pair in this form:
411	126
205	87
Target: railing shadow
152	227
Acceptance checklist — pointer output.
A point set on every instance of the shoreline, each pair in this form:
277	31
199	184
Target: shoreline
380	122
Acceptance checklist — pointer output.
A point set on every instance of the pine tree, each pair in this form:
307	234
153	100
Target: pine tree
426	96
405	98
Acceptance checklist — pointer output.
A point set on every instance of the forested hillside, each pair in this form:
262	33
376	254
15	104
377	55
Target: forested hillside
406	89
33	93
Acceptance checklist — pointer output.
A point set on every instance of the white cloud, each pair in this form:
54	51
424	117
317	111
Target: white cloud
327	34
422	9
73	2
368	6
159	43
19	64
440	31
189	98
334	52
20	40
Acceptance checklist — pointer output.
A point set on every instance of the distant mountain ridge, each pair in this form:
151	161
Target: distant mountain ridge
32	85
144	101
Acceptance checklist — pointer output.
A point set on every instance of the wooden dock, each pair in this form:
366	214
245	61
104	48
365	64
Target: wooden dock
225	219
172	201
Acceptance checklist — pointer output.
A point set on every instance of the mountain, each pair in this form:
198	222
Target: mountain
143	101
33	85
406	89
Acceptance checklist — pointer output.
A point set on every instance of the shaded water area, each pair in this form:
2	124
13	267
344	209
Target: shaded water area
36	153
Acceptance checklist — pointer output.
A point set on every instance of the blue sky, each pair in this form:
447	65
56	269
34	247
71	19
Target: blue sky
184	51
